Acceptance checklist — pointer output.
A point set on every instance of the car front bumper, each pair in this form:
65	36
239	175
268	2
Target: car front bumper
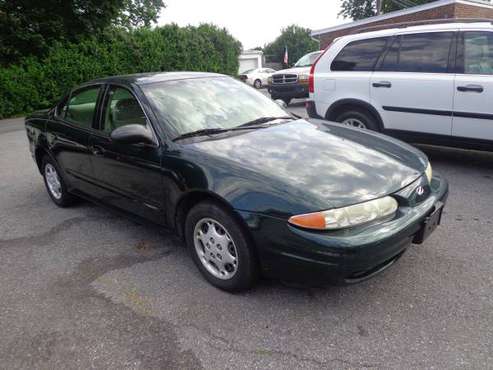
342	257
291	91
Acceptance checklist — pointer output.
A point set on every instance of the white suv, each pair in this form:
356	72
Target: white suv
428	84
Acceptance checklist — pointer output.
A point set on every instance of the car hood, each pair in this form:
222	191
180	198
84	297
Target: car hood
296	71
316	165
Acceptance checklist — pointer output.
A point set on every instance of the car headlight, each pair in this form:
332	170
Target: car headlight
342	218
303	78
429	172
269	80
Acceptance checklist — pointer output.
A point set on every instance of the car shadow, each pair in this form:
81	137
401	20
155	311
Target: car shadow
460	157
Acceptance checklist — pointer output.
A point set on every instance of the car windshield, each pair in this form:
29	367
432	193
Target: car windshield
307	60
209	103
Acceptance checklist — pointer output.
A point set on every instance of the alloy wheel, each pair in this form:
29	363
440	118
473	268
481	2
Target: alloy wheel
53	181
354	122
215	248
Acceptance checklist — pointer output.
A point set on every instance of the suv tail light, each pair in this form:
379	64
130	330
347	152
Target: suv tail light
311	78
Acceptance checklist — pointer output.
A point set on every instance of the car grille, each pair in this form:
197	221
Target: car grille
284	79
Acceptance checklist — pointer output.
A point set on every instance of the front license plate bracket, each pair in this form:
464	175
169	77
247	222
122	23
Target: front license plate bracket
430	224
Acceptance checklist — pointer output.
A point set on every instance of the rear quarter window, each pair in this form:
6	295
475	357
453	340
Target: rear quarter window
360	55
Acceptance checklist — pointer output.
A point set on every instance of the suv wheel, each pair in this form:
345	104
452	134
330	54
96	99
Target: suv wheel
287	101
358	118
55	185
220	248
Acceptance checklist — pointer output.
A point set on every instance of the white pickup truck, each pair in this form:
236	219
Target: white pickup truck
292	83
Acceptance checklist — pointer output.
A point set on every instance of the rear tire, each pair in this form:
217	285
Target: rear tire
55	185
220	248
359	119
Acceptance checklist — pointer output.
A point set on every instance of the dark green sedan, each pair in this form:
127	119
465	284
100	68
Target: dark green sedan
251	189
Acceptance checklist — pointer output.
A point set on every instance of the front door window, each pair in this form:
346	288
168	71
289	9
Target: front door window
122	109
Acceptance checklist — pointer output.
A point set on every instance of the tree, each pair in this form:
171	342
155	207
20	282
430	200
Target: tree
391	6
296	39
360	9
28	27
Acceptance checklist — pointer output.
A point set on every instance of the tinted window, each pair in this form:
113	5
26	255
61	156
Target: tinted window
122	109
391	60
478	53
359	55
426	52
201	103
81	107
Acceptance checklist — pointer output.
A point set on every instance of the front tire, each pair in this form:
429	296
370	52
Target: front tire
55	185
358	119
257	84
220	248
287	101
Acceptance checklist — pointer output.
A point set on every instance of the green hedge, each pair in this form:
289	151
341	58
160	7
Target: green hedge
38	83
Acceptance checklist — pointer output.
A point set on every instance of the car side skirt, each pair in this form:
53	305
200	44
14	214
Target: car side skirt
443	140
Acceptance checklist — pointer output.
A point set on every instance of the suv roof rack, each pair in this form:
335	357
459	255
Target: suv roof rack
423	23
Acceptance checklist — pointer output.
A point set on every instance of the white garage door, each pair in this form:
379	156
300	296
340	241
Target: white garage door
246	64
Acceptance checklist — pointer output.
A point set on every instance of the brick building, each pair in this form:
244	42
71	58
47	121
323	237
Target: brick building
440	9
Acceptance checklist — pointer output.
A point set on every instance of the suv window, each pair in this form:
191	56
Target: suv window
478	53
422	53
81	107
122	109
360	55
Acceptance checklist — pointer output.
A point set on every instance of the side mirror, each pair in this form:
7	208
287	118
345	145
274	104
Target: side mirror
281	103
132	134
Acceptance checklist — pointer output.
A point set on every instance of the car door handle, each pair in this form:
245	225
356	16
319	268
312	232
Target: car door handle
385	84
471	88
97	150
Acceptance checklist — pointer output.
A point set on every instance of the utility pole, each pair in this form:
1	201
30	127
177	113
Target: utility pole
379	7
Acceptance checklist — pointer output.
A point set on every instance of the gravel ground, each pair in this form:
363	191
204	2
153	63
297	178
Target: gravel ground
85	288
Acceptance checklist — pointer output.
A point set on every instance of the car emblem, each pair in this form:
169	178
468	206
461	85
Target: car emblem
420	191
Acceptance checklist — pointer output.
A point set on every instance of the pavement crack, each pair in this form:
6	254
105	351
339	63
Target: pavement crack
48	236
269	352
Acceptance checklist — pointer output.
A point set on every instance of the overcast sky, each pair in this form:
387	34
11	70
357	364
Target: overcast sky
253	22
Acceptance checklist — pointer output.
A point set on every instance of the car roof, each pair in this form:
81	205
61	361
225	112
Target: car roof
418	29
153	77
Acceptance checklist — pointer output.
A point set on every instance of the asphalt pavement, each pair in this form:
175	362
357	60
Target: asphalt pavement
85	288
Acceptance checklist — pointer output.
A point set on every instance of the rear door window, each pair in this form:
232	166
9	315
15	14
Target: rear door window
81	107
423	53
478	53
360	55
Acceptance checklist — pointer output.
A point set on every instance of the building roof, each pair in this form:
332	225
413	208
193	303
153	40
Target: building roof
398	13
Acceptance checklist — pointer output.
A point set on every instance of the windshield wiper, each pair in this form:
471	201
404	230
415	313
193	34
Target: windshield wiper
202	132
261	121
216	131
